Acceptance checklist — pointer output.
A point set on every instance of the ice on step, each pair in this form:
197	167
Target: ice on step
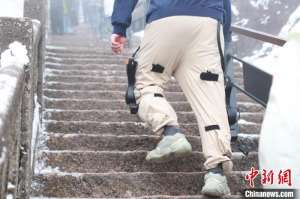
3	155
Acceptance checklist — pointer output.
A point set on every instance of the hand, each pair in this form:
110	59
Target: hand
117	43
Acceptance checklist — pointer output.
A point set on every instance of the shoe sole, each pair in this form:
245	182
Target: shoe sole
179	153
213	194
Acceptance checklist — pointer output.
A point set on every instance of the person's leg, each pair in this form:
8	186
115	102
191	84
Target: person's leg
157	59
201	78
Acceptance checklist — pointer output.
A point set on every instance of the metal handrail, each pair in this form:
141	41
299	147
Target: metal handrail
243	90
258	35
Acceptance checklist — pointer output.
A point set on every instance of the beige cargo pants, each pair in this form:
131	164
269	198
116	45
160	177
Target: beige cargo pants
185	47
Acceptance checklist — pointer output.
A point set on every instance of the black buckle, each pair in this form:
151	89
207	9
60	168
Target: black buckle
130	96
157	68
209	76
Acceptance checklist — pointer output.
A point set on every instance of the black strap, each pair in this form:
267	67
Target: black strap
130	96
212	127
220	47
158	95
218	169
135	52
209	76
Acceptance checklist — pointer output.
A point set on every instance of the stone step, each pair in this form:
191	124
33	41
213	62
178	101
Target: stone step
125	116
95	69
240	97
82	104
74	44
105	116
83	37
103	95
158	197
79	78
250	107
92	90
119	73
122	185
80	55
52	72
172	95
97	79
121	87
96	86
69	104
131	161
94	78
252	117
126	128
81	50
117	95
96	142
84	67
86	61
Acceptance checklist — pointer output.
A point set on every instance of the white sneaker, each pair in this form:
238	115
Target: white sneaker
215	185
172	145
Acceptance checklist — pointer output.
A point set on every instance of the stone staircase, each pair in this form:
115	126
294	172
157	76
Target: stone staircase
91	147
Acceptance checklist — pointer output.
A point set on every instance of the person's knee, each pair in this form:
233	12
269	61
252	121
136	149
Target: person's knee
154	108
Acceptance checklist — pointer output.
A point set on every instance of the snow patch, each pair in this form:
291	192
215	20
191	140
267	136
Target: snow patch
9	196
293	20
35	127
15	55
11	186
50	47
54	58
267	57
249	136
3	155
260	4
108	6
139	34
53	64
265	20
7	86
235	10
242	121
11	8
42	168
242	22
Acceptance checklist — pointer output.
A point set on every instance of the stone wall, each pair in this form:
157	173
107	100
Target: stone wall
11	88
38	10
12	29
17	89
